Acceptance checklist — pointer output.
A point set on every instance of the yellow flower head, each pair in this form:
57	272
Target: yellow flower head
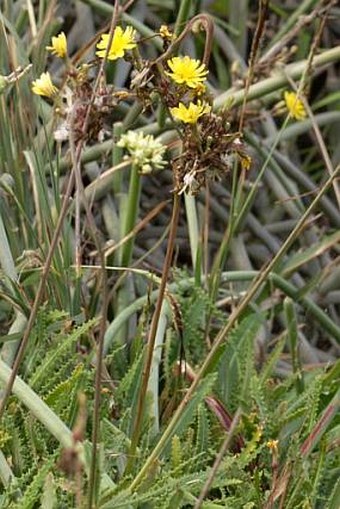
121	41
191	114
59	45
165	33
246	161
294	105
187	70
44	85
272	444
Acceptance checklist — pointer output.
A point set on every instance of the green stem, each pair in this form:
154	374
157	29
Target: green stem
183	15
117	153
131	213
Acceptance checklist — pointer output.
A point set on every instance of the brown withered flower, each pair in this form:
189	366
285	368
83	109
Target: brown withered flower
209	152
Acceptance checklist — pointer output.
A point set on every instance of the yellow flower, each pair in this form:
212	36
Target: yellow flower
165	33
187	70
191	114
59	45
294	105
246	161
121	41
44	85
272	444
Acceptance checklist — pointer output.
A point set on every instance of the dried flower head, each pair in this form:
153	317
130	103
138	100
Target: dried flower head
294	105
190	114
44	86
146	152
188	71
209	152
59	45
121	42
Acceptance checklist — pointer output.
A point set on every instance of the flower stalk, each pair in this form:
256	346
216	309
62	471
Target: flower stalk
152	335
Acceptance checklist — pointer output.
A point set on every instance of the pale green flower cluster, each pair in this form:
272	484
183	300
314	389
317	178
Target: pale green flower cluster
145	152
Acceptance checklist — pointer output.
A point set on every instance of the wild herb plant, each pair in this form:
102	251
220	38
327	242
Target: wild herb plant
169	241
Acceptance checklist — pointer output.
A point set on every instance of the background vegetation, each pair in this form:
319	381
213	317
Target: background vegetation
159	366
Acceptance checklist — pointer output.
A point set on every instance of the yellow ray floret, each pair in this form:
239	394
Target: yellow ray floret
186	70
44	85
190	114
294	105
121	42
59	45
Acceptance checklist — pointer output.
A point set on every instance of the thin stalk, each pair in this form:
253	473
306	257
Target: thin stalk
117	153
104	306
153	331
234	317
260	26
219	458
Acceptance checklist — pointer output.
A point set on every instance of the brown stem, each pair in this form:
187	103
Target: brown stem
208	26
263	7
100	348
153	331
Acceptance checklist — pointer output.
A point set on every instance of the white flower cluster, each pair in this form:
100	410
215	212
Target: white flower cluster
146	152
